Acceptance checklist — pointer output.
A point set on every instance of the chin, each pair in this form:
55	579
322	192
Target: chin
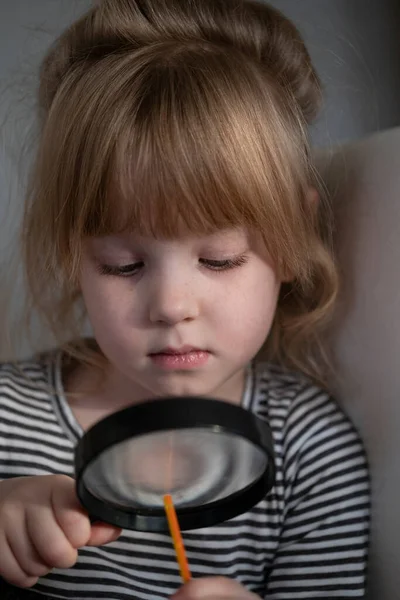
180	388
182	391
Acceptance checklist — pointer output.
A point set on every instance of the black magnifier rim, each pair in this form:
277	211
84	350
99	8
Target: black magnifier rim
174	413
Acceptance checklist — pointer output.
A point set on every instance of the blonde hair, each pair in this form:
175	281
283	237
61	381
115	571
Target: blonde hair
157	109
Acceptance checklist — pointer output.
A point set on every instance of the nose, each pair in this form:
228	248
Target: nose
172	302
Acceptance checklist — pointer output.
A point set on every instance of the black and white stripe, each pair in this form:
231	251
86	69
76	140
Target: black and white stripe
307	539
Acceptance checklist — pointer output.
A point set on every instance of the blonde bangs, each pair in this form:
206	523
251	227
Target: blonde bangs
189	138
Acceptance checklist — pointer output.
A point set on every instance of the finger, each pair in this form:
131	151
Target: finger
244	596
23	549
103	533
48	538
207	588
10	569
68	512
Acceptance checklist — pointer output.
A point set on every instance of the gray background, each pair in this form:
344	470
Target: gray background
354	43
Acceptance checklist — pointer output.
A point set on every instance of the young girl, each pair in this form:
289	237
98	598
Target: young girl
173	204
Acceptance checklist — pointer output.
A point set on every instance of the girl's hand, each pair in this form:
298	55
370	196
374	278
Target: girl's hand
42	525
213	588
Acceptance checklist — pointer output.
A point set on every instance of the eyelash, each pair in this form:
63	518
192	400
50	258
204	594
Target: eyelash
134	268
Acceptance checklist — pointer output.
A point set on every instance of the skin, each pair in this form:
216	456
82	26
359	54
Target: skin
42	526
214	588
173	298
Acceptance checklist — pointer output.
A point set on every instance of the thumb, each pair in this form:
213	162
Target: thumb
103	533
73	519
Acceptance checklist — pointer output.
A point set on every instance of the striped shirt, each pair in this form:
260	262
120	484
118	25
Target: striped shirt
307	538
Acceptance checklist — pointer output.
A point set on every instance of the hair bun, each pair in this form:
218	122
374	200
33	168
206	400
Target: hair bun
256	29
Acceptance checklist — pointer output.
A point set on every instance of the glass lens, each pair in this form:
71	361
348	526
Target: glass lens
195	466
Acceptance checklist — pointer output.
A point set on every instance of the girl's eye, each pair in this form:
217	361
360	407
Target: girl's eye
223	265
123	271
134	268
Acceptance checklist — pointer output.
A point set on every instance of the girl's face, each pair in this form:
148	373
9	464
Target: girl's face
182	316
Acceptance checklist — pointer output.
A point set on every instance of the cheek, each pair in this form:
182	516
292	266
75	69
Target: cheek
249	311
105	306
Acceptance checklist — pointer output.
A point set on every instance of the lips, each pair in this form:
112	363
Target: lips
177	351
183	358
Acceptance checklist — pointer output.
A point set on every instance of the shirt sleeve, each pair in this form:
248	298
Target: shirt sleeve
323	546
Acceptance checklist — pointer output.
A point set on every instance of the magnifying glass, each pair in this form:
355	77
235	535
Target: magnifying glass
213	459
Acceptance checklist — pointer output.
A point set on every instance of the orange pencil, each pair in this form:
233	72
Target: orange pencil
177	538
